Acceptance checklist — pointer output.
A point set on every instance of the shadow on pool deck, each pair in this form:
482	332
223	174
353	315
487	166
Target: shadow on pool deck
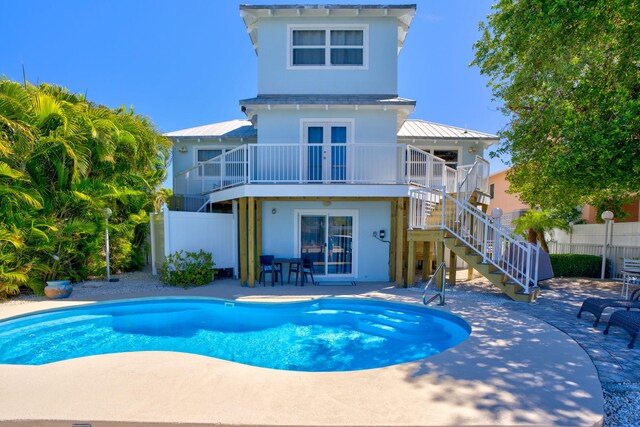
513	369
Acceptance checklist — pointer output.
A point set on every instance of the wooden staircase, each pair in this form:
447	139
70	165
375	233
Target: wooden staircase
464	219
489	271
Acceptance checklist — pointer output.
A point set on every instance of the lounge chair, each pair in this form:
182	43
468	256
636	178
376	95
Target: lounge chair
627	320
597	305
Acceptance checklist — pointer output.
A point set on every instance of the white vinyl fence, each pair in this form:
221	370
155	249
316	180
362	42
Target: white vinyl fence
173	231
588	239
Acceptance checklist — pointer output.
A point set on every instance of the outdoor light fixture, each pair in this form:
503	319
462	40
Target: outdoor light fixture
183	149
496	213
607	217
471	150
274	211
107	214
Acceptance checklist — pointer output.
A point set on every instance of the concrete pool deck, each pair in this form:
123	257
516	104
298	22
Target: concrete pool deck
513	370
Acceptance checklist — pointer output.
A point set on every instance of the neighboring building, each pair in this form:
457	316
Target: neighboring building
324	164
513	208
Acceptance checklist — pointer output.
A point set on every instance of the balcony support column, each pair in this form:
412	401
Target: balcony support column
258	235
453	260
251	241
242	216
411	264
439	259
399	242
426	260
392	239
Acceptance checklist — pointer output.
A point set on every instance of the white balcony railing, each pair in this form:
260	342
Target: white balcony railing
340	163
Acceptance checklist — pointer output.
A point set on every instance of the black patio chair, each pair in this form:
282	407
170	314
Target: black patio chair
267	266
307	269
596	306
627	320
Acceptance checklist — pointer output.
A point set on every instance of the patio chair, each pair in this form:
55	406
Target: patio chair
294	267
267	266
596	306
627	320
630	274
307	269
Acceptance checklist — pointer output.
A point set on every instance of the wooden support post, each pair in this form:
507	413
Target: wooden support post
258	235
242	215
426	260
405	239
411	264
452	267
392	244
251	241
439	259
399	242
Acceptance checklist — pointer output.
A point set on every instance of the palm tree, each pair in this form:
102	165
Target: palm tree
534	223
63	160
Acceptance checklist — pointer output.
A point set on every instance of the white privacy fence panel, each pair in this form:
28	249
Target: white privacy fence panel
588	239
615	254
174	231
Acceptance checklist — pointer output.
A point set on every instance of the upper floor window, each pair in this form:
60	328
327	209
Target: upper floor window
328	46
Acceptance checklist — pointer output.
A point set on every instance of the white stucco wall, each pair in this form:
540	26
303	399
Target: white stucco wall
370	126
279	235
380	77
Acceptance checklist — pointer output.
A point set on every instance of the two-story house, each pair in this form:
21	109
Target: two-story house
326	161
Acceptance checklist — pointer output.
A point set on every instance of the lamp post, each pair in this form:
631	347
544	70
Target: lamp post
107	214
607	217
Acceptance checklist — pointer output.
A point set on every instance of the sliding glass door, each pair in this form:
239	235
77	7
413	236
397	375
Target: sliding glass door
327	238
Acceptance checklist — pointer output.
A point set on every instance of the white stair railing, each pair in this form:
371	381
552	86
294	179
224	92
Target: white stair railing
511	255
472	178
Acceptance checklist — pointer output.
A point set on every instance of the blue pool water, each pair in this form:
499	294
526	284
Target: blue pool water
319	335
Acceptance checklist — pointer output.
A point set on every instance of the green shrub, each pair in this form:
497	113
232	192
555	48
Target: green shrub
188	269
577	265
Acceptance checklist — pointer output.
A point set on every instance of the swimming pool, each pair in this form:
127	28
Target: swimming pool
329	334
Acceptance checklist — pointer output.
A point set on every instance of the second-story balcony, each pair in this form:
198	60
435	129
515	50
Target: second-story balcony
318	164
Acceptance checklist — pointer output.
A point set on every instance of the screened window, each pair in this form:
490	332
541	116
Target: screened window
328	47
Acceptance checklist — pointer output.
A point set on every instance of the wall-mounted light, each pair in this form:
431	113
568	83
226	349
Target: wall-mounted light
471	150
326	203
274	211
183	149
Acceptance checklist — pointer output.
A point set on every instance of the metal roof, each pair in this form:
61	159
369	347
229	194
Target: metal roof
429	130
404	14
411	129
327	100
230	129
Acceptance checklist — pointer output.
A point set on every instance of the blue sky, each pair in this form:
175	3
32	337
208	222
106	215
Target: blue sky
186	63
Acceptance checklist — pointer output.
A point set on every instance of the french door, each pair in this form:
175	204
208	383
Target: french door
326	151
328	239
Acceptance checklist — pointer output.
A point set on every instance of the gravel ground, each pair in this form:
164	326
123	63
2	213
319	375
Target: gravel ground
557	306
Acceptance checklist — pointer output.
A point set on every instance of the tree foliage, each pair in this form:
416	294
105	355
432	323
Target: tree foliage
63	161
535	223
568	75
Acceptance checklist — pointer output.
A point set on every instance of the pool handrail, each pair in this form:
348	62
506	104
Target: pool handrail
442	269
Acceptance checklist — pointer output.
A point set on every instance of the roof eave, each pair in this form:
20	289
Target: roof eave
251	14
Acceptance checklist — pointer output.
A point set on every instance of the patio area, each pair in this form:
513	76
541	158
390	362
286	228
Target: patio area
517	368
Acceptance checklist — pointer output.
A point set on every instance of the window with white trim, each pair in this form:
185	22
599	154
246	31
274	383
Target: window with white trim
223	167
328	47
